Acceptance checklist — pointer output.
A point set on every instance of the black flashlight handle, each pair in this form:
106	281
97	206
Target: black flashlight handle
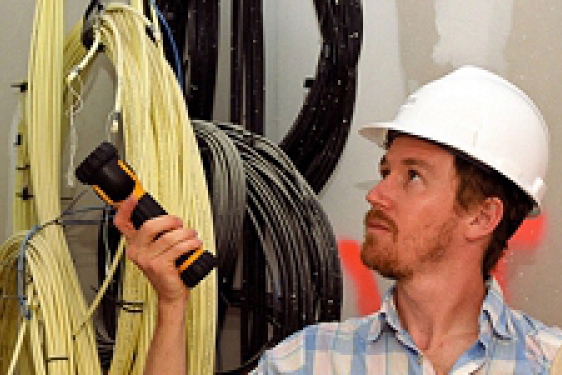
146	209
114	181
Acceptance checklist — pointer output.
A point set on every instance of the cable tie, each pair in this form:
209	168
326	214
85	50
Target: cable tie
124	305
18	141
22	86
94	9
25	195
57	358
116	122
308	82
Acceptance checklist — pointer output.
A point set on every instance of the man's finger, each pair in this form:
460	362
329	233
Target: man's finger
122	218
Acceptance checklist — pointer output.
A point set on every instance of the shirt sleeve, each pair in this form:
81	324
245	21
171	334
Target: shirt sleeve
285	358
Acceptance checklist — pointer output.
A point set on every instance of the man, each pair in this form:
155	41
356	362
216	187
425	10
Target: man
464	166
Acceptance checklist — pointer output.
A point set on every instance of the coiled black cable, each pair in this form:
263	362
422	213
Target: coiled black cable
227	188
318	136
287	273
195	26
202	57
316	140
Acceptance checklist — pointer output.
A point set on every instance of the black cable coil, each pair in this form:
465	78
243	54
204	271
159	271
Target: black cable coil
284	273
320	131
318	136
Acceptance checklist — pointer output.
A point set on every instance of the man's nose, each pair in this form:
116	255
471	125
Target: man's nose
381	195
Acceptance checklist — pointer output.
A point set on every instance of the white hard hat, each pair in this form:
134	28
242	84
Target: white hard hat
482	115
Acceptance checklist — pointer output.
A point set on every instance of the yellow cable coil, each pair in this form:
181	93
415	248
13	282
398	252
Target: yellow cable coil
46	341
23	211
161	146
58	338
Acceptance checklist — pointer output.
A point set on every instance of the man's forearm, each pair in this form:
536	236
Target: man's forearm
167	353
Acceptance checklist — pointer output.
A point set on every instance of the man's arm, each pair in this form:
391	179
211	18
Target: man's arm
154	249
167	353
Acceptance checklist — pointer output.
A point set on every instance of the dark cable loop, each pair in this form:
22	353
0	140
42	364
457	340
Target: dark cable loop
287	273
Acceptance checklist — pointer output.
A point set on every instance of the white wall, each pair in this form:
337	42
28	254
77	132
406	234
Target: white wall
406	43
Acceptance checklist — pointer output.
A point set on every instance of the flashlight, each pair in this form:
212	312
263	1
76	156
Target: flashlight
113	181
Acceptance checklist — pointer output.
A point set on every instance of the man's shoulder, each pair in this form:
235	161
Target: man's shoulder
315	344
539	339
325	335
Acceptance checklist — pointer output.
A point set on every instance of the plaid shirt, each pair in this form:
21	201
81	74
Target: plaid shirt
510	342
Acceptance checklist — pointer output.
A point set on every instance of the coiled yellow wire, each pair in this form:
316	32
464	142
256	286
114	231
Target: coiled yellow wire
58	337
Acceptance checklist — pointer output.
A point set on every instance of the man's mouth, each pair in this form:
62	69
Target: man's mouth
376	220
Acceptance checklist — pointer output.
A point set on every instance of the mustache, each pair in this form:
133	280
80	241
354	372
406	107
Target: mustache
379	216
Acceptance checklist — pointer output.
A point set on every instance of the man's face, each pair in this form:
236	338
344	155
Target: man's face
411	224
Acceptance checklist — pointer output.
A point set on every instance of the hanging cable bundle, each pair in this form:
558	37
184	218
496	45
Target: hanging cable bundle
286	275
161	146
48	290
202	43
318	136
199	21
159	142
227	188
247	66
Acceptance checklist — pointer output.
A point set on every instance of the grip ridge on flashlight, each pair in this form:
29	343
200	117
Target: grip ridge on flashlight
147	208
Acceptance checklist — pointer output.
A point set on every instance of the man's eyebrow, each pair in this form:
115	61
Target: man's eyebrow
408	162
418	163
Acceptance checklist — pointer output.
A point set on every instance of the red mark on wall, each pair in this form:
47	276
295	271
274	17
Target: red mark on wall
529	235
367	291
527	238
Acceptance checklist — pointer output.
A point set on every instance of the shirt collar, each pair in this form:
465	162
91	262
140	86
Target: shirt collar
494	314
387	316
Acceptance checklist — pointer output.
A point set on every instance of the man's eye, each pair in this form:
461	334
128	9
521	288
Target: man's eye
413	174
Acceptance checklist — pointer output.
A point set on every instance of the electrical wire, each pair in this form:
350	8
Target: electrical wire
285	274
159	143
202	56
58	331
41	138
170	41
319	133
318	136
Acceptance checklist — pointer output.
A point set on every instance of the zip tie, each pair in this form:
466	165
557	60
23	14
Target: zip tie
18	140
116	122
22	86
25	195
58	358
130	306
93	12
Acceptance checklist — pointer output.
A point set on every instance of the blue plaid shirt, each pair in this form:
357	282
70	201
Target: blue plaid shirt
510	342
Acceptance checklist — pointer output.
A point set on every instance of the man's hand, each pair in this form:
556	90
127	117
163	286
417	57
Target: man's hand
154	249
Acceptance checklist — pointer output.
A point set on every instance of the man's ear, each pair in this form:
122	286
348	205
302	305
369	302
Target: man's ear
484	218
